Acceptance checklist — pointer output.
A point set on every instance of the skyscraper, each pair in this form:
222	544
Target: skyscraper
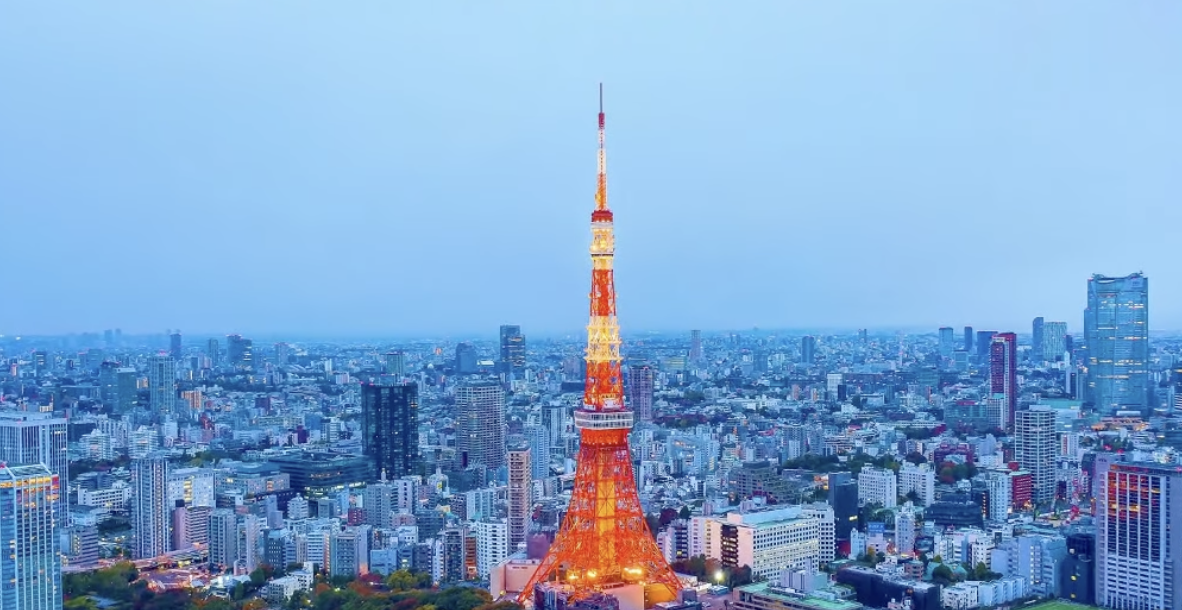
555	417
214	352
1036	335
695	350
1116	333
539	451
480	425
512	349
465	359
945	341
640	391
240	352
984	338
1054	340
1035	449
808	349
396	363
30	566
128	388
174	345
520	495
968	339
1003	375
390	426
162	384
151	514
1137	542
36	438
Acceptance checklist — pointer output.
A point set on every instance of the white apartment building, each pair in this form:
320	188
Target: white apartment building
921	479
878	485
193	485
1000	488
113	498
492	544
767	541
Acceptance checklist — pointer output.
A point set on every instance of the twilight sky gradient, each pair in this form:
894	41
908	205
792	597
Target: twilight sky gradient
422	167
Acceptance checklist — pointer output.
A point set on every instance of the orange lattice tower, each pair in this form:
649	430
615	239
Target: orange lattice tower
604	540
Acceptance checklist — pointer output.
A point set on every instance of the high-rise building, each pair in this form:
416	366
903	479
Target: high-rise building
174	345
555	417
282	353
512	349
640	391
390	426
984	339
395	362
878	485
214	352
151	514
521	500
240	352
30	567
695	350
128	388
999	485
968	339
109	384
946	341
1054	340
223	539
1137	542
480	425
920	479
492	544
808	349
465	359
1116	334
162	384
1035	448
539	451
36	438
1003	375
1036	337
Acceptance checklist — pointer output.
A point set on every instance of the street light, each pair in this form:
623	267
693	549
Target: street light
718	576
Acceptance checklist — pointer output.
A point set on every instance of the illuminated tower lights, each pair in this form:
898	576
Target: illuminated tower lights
604	539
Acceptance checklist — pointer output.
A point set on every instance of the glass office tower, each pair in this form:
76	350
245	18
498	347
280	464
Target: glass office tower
1116	334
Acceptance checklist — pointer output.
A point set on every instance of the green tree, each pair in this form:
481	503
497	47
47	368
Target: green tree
685	513
80	603
405	580
942	574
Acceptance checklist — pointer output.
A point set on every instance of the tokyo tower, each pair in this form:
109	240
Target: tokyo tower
604	540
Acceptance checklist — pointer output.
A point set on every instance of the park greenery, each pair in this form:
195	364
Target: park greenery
120	587
710	570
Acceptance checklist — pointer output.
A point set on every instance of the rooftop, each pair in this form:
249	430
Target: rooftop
782	594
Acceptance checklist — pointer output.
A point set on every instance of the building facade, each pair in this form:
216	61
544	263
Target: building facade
390	426
1137	542
30	567
1035	448
480	429
151	515
1116	337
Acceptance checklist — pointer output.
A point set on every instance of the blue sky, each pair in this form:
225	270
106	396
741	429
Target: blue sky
423	167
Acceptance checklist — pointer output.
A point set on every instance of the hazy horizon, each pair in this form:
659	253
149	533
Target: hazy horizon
382	169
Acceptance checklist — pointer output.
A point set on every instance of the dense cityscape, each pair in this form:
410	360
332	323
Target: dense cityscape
962	466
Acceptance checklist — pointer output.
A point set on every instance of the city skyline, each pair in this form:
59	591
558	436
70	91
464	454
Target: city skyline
257	182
